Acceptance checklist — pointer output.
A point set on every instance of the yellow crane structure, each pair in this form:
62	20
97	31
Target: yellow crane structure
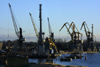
67	29
52	44
86	29
36	32
75	34
51	38
72	26
75	31
35	29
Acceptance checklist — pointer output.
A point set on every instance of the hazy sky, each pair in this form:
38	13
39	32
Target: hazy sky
58	11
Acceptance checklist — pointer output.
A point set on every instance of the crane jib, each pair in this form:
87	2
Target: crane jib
14	22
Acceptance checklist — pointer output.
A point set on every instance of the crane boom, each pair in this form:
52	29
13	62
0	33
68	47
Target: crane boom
50	31
85	26
66	27
73	27
14	22
36	32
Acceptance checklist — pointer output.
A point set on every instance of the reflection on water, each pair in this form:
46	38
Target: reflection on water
37	60
41	60
93	60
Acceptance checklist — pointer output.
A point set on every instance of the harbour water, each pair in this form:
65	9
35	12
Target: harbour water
93	60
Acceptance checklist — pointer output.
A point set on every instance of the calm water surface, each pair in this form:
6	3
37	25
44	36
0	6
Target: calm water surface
93	60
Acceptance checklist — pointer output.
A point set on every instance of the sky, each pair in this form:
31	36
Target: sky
58	11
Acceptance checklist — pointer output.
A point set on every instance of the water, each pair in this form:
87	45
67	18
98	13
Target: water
93	60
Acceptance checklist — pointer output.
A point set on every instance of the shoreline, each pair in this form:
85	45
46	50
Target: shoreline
66	52
53	65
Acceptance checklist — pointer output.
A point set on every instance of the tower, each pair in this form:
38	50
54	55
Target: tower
40	42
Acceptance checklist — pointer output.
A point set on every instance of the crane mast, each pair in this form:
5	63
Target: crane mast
92	33
40	33
36	32
40	42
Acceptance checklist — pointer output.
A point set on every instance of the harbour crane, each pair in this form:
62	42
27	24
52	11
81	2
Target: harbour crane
86	29
75	34
17	31
36	32
75	31
51	35
51	39
76	37
87	32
